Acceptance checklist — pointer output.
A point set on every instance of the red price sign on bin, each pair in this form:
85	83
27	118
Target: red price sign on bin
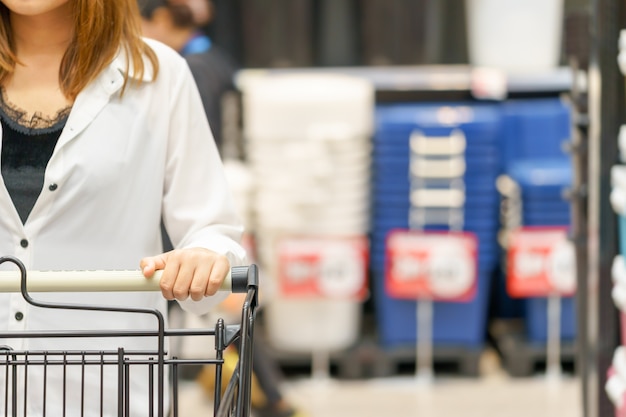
540	262
323	267
432	265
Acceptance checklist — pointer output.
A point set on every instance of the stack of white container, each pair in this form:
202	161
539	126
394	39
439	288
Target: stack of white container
308	146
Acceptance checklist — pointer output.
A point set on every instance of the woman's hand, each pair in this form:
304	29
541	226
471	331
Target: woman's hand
193	272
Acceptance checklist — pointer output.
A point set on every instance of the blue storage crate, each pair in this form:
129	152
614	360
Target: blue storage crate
479	123
542	182
542	177
457	324
535	129
454	323
475	165
546	220
547	205
396	145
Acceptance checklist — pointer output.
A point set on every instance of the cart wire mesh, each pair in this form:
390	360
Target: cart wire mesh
101	382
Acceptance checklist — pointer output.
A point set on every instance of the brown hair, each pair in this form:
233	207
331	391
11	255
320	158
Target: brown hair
101	27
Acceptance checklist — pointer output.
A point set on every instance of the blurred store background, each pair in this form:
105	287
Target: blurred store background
322	33
427	188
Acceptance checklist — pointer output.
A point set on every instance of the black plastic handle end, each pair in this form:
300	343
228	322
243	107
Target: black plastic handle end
243	277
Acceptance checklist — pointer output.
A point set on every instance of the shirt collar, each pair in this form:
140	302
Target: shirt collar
120	63
112	78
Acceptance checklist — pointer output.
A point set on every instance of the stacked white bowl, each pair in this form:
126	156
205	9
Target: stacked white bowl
308	146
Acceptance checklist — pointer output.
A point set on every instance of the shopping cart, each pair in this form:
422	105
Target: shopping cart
118	366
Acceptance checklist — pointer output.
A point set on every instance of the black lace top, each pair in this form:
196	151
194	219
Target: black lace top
27	145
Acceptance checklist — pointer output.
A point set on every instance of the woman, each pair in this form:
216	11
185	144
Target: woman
104	135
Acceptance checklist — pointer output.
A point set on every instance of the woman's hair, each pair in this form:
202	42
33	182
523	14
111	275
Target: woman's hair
102	28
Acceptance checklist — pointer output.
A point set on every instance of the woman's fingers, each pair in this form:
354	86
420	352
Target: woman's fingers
194	272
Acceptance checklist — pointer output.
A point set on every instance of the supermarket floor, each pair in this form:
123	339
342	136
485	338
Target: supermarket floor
492	395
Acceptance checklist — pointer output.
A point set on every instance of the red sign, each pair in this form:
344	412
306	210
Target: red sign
323	267
431	265
540	262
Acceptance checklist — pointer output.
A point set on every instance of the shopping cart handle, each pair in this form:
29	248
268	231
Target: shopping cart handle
237	280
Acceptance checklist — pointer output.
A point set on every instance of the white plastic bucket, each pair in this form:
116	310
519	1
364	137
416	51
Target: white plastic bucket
515	35
311	106
308	142
307	326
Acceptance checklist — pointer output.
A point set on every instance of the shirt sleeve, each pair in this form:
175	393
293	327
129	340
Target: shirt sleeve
198	208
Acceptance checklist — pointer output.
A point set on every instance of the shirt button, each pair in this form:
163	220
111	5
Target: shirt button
53	187
24	243
19	316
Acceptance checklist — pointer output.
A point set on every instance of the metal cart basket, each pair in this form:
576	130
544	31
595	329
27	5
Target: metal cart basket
26	376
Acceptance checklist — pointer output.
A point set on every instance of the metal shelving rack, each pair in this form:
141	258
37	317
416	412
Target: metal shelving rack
436	82
595	222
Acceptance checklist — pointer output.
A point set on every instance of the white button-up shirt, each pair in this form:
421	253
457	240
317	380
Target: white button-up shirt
122	163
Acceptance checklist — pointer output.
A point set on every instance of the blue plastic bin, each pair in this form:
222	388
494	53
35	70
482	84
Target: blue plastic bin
542	182
535	129
459	324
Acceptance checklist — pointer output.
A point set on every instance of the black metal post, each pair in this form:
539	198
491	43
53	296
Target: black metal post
606	114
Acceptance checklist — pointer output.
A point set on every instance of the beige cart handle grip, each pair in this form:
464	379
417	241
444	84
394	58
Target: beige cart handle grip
88	281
